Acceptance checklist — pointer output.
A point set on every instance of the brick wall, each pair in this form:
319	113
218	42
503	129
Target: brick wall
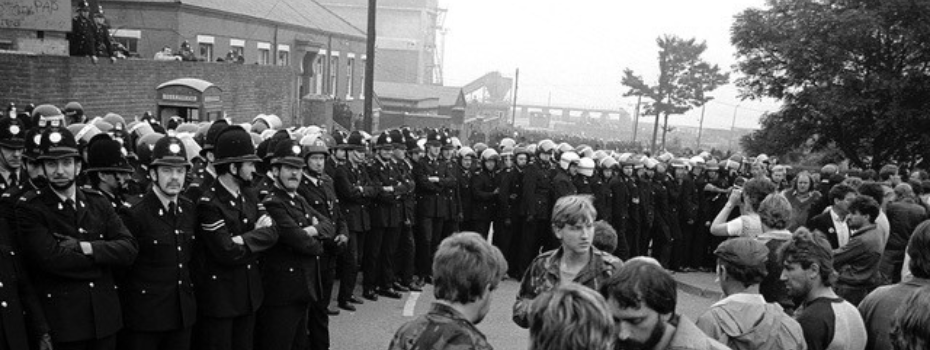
128	86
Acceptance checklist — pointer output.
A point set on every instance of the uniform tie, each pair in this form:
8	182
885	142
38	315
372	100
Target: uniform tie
172	210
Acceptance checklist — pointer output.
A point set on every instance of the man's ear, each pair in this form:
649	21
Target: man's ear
815	271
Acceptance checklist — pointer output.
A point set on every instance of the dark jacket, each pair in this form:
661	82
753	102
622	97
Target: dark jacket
291	269
21	315
620	203
355	190
83	37
321	196
157	292
904	216
432	199
857	261
405	168
823	223
77	291
486	200
511	192
387	207
537	191
562	185
227	275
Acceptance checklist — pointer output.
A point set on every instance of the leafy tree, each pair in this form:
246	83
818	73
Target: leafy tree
684	78
853	74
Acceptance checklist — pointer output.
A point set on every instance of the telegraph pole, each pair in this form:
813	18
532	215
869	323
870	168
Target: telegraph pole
639	99
516	85
370	66
701	128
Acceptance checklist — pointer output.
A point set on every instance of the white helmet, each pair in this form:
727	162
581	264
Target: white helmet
586	167
567	159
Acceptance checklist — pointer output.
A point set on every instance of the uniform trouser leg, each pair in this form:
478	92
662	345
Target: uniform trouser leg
389	242
108	343
328	272
682	249
349	261
405	254
430	229
545	236
633	231
698	245
483	227
227	333
318	326
370	243
662	244
503	235
528	246
281	327
623	247
179	339
512	254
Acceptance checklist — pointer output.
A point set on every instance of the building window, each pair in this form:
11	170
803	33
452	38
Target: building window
6	45
205	45
284	52
318	74
264	53
128	39
236	50
333	77
350	72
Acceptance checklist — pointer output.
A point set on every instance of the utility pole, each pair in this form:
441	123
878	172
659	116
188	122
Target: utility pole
701	128
639	99
370	66
733	126
516	86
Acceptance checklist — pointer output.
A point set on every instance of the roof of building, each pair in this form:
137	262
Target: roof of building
304	13
447	95
200	85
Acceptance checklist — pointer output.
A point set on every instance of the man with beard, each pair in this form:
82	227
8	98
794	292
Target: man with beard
157	293
234	231
828	321
12	142
73	240
642	297
466	271
291	269
108	170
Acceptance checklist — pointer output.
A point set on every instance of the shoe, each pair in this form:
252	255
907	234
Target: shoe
346	306
400	287
355	300
332	311
370	295
389	293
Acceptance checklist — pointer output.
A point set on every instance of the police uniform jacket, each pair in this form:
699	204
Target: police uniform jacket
485	202
601	197
405	168
454	191
620	203
264	185
321	196
432	197
355	190
537	191
387	207
466	193
646	202
7	184
291	269
227	274
202	181
157	292
21	316
77	291
83	37
562	185
511	192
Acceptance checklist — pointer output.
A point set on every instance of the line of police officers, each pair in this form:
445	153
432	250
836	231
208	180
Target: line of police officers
242	248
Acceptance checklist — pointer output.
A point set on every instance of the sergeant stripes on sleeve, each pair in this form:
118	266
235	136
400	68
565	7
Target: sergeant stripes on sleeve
214	226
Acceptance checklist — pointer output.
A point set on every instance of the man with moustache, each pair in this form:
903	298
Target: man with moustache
828	321
159	306
73	240
406	247
642	297
234	231
380	244
291	269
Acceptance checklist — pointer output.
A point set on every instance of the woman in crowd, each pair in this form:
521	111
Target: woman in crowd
801	196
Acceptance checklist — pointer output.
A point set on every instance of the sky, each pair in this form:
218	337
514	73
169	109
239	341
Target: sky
575	51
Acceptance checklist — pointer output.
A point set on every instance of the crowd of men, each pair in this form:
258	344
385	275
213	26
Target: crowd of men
131	234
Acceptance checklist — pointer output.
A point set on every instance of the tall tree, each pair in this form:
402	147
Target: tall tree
854	74
684	79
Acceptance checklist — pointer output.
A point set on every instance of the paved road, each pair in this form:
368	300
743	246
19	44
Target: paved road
373	325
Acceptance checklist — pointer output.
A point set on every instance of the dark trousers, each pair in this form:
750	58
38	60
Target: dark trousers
853	295
282	327
697	247
403	259
890	266
430	229
503	240
662	242
634	234
623	246
512	252
179	339
227	333
482	227
318	325
328	271
535	237
348	261
108	343
370	244
380	248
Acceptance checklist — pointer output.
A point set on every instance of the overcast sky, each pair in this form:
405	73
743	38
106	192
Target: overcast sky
576	50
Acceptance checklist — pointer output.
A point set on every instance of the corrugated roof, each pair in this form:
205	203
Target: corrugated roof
304	13
447	95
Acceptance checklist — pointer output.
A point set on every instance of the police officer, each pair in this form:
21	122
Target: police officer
83	36
108	170
204	177
233	232
34	172
509	226
102	36
623	190
355	191
454	192
406	248
291	269
12	142
380	244
536	206
74	113
485	202
433	180
157	293
73	240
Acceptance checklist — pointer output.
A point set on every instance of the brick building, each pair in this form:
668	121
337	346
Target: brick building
420	106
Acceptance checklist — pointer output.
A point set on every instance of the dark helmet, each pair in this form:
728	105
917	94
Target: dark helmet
149	118
341	139
434	138
32	140
356	141
215	129
384	141
57	143
83	6
170	151
234	145
397	138
47	116
288	152
145	147
107	155
12	133
174	122
73	109
410	140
